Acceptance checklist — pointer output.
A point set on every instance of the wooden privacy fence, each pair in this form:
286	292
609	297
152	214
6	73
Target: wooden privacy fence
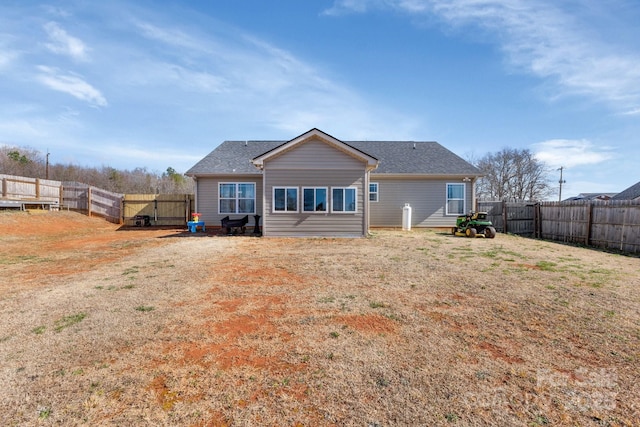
161	209
612	224
92	201
30	189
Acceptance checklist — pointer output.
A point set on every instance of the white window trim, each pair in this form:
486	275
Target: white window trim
273	200
464	198
343	201
326	205
236	183
377	192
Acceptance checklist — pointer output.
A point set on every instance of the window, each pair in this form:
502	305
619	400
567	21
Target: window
373	191
237	197
285	199
343	200
314	199
455	199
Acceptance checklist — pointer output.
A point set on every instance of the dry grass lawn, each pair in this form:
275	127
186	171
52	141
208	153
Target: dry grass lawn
101	326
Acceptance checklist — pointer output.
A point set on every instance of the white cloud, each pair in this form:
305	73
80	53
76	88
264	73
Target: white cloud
6	58
571	152
71	84
540	38
62	43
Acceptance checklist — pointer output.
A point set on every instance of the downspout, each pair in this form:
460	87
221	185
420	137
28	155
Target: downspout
474	201
195	195
365	199
264	203
260	167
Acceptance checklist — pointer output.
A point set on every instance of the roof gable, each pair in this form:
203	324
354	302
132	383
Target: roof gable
316	134
395	157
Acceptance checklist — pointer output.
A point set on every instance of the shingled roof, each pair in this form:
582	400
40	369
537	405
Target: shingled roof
630	193
396	157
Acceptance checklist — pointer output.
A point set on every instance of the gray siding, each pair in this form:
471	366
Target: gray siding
317	155
427	198
314	164
207	190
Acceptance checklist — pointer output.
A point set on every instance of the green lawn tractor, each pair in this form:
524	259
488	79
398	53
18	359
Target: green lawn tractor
474	224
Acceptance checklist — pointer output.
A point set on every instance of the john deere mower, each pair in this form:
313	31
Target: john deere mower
474	224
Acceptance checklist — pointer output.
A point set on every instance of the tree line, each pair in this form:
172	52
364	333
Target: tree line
509	174
33	164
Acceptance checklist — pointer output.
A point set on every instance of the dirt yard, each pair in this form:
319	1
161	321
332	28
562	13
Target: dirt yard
108	326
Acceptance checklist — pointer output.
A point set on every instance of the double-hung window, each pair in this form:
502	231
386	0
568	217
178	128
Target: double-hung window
314	199
285	199
343	199
237	198
455	199
373	191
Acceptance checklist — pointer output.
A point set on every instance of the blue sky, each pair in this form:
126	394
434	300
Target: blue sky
156	84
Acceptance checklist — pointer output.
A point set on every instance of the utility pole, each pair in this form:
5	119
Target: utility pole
562	181
47	166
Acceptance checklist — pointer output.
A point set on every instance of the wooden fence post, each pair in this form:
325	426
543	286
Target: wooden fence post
537	223
504	216
4	187
587	240
37	188
89	201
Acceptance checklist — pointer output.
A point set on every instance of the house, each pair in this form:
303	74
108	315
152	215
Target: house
317	185
591	196
631	193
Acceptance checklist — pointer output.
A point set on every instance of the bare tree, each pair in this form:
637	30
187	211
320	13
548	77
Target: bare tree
513	174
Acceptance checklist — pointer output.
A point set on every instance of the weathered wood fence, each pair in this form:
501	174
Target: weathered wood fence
603	224
30	189
161	209
93	201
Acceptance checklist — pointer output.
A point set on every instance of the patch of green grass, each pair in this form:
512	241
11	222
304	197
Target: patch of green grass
374	304
451	417
489	254
540	420
44	413
326	300
609	313
546	265
144	308
334	334
131	286
382	382
22	259
131	270
67	321
39	330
